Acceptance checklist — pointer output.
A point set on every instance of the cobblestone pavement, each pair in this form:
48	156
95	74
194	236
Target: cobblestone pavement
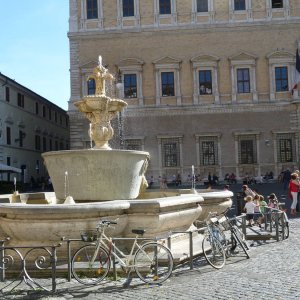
272	272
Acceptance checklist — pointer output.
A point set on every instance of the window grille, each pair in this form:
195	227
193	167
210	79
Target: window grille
170	152
134	144
208	151
247	150
285	147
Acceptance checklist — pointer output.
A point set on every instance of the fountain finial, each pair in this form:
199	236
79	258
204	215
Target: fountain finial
100	74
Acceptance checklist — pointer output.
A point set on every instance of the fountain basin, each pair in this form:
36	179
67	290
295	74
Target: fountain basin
97	174
38	224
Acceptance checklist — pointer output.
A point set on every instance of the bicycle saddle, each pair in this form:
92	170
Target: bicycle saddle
138	231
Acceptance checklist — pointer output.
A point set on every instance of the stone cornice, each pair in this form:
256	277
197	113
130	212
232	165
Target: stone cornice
224	26
208	109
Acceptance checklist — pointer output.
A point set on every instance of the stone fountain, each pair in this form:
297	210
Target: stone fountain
104	183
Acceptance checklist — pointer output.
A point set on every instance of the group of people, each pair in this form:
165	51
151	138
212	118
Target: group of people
256	204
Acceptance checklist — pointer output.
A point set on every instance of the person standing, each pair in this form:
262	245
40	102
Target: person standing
293	190
249	209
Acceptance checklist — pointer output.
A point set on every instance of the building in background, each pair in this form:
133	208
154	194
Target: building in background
29	126
208	82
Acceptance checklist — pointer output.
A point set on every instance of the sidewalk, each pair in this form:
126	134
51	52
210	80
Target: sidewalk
272	272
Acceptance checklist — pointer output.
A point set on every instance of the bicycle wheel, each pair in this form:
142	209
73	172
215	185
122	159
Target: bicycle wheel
153	263
213	251
286	229
87	272
239	241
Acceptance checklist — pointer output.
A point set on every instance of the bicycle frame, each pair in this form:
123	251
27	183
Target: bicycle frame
123	259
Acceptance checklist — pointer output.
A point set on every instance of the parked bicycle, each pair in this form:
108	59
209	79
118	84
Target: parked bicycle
152	261
212	246
236	239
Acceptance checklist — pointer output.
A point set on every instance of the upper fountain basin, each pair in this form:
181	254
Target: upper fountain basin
96	175
100	103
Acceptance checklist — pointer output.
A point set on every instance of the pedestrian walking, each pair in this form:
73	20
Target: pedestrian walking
293	190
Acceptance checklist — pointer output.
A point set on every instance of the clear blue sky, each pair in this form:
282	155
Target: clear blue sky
34	47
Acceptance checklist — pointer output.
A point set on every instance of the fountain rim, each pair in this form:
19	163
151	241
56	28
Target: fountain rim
93	150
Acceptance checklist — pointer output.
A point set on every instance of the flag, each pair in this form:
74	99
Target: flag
297	72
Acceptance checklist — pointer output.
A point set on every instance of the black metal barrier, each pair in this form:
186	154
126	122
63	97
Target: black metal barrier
44	259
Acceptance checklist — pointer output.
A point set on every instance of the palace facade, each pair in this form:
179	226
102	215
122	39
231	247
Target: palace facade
208	82
29	125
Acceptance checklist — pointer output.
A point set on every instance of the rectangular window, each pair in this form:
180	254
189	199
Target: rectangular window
61	146
285	150
170	153
50	145
202	5
286	147
7	94
277	3
55	117
130	86
36	108
21	137
56	146
44	144
133	144
91	9
247	152
44	111
208	153
243	81
91	86
205	82
50	113
8	136
281	79
37	142
20	100
128	8
239	5
167	84
164	7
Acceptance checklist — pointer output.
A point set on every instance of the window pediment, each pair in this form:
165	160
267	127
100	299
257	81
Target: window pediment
166	60
130	62
243	56
89	65
21	124
205	58
281	55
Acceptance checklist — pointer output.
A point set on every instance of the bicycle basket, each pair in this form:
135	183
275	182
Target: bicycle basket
89	235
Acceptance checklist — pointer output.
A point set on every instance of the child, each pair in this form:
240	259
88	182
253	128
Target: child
249	208
262	209
273	201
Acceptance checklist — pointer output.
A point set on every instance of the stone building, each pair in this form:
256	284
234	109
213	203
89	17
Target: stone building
208	82
29	125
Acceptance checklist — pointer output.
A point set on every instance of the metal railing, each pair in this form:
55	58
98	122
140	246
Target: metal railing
44	260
